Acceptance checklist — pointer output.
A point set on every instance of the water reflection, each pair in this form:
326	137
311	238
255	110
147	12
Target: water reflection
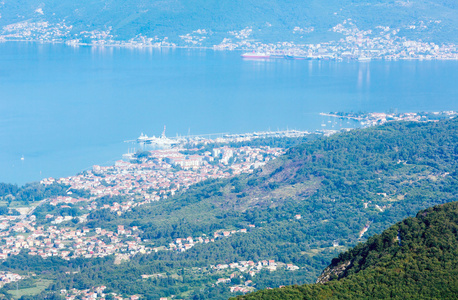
65	108
364	75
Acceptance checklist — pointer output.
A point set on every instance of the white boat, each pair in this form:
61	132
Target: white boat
256	55
142	138
364	58
157	141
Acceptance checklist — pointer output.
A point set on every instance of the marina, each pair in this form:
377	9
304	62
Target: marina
88	101
164	142
364	119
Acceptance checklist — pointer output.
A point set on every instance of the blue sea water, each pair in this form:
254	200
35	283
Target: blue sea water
66	108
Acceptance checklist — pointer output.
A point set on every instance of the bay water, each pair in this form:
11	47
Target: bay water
64	109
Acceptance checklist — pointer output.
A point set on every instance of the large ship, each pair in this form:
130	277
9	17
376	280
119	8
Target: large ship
254	54
161	141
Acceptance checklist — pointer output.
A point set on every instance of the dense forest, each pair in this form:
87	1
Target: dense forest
414	259
362	179
270	21
33	192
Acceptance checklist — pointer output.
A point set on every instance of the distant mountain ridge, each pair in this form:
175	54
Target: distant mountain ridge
413	259
209	22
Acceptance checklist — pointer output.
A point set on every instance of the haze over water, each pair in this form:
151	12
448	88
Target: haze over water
64	109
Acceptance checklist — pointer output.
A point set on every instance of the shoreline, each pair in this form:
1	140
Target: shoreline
341	117
216	48
366	120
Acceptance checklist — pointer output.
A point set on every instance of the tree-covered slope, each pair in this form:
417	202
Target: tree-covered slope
344	187
414	259
378	175
271	21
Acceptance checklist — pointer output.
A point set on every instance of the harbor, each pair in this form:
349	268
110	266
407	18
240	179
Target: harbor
360	119
163	142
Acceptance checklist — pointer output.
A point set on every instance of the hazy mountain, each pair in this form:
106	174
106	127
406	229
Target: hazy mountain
270	21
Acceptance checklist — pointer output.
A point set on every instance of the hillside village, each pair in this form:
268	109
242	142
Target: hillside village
381	42
143	178
165	172
159	175
233	272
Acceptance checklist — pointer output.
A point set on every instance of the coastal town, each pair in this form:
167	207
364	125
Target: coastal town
140	178
381	42
153	176
311	149
378	118
158	174
56	226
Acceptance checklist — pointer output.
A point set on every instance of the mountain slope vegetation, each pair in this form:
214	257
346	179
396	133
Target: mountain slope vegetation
271	21
414	259
378	174
304	208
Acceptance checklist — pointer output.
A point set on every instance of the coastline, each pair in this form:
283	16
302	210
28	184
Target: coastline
159	45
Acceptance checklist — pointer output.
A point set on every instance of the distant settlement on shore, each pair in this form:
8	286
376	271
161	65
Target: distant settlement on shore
381	42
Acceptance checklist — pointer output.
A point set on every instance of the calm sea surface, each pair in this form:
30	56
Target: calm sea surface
64	109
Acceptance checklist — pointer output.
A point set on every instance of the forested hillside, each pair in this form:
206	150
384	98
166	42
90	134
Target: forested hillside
34	192
270	21
414	259
304	208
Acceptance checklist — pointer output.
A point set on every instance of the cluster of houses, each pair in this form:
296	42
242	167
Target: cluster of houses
149	180
377	118
9	223
382	42
250	268
42	31
373	119
93	293
7	277
183	244
237	269
68	243
379	42
155	178
241	289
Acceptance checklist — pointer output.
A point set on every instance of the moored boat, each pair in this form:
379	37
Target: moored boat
297	57
256	55
364	58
